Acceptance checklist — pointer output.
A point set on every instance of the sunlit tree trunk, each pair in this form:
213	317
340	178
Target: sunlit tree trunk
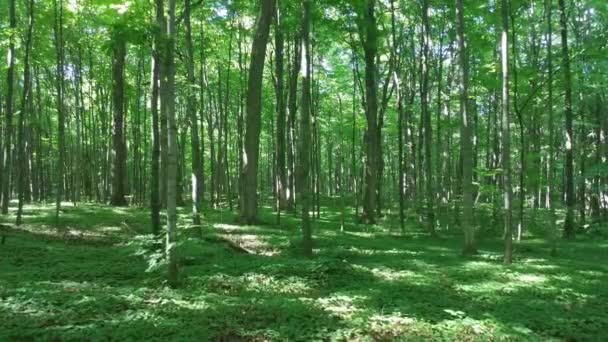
281	170
304	147
506	134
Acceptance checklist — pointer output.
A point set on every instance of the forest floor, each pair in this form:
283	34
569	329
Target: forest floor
97	278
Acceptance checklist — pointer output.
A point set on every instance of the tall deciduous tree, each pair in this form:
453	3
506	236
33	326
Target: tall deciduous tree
368	33
58	30
249	173
466	147
172	141
8	111
569	138
429	195
119	150
506	134
197	170
281	170
304	147
26	108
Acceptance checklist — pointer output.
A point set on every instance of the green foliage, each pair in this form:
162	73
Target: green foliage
362	285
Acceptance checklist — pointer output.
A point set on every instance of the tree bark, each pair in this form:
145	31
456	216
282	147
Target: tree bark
369	39
569	141
58	32
426	118
119	154
506	138
304	147
281	177
26	95
465	137
8	112
249	204
197	171
172	141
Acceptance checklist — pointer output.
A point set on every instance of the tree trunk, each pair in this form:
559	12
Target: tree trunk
155	203
249	205
369	37
305	151
21	179
119	154
172	141
281	177
506	138
8	113
426	118
468	222
197	171
569	141
291	124
58	30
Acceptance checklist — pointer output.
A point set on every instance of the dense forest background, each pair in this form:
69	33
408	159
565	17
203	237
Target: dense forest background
484	118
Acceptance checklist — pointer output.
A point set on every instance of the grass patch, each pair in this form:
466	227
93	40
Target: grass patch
364	283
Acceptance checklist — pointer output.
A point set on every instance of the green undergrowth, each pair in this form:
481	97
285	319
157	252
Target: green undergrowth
251	284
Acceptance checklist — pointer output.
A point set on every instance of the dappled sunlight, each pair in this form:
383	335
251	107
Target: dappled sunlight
359	284
388	274
340	305
527	279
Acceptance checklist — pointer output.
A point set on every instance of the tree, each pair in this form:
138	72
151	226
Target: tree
58	30
304	147
249	173
169	92
119	153
25	108
8	112
368	33
426	119
569	139
281	171
197	170
506	134
465	136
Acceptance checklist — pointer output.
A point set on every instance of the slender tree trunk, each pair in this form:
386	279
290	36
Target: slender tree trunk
249	203
506	134
400	118
197	171
155	203
8	112
426	118
281	178
58	29
26	95
291	124
468	222
172	140
569	141
305	152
